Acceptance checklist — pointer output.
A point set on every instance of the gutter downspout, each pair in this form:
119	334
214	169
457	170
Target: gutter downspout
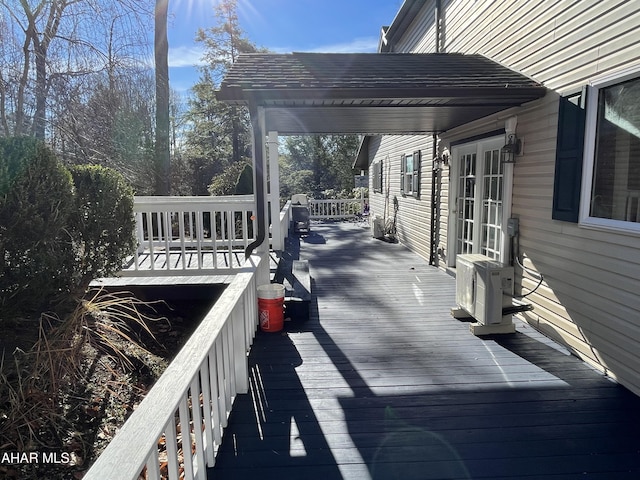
439	27
435	172
258	175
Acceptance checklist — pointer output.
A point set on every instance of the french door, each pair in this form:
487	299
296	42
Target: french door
480	206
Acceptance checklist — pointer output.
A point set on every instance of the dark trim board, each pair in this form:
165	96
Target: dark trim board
381	382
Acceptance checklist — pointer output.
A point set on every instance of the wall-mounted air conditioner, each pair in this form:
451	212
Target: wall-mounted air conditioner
483	287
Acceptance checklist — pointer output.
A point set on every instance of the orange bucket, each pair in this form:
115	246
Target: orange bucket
271	307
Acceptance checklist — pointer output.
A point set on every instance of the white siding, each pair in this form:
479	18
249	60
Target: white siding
559	43
589	298
421	34
413	223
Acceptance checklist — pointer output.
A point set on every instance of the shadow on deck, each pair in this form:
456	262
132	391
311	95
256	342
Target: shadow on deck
383	383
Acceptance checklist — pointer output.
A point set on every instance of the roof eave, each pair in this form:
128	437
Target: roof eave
260	96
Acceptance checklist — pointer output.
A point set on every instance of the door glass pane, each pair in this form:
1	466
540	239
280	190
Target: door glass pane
492	204
466	203
486	188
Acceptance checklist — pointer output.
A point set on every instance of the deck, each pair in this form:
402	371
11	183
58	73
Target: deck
144	276
381	382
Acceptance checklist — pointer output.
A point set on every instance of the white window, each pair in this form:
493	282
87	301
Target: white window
611	177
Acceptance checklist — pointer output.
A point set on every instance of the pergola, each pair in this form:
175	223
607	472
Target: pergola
369	94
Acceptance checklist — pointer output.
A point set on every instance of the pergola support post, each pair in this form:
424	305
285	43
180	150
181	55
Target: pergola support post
274	192
259	183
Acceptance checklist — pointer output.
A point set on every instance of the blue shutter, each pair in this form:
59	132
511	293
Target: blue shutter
377	176
416	173
403	166
569	155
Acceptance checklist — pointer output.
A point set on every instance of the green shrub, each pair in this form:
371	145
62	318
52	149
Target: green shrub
58	229
233	181
36	201
244	183
103	222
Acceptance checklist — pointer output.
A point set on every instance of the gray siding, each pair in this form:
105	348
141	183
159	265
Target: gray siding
589	298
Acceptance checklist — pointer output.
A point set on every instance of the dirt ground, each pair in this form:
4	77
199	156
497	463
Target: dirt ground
66	386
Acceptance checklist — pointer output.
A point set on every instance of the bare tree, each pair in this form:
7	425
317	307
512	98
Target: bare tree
40	27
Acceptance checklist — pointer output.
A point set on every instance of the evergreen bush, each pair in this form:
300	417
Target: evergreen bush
103	222
59	229
233	181
36	201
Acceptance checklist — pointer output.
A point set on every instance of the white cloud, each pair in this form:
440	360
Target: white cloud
191	55
357	45
185	56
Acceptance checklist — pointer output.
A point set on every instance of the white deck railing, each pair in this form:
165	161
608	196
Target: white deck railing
285	219
335	208
184	234
175	431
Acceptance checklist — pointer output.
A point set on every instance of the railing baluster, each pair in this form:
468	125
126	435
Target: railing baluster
171	444
239	353
185	431
152	259
231	230
153	465
181	232
249	310
196	415
231	356
245	229
191	229
214	227
167	238
205	380
140	241
222	385
199	237
230	387
215	394
212	234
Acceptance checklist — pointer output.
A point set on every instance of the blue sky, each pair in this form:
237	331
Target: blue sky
282	26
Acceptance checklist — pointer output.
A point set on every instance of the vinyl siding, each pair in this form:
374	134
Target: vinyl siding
589	297
414	214
421	35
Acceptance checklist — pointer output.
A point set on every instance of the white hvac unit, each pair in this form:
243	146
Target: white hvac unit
377	227
483	287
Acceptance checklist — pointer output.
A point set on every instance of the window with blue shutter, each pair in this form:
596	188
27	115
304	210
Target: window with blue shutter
410	167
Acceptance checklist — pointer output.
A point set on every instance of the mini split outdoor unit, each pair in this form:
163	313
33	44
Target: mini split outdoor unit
483	287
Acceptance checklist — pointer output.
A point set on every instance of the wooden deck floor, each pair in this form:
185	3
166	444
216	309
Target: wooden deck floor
190	260
177	275
383	383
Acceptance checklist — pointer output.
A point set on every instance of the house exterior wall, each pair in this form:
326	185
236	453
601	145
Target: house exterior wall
589	298
413	219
